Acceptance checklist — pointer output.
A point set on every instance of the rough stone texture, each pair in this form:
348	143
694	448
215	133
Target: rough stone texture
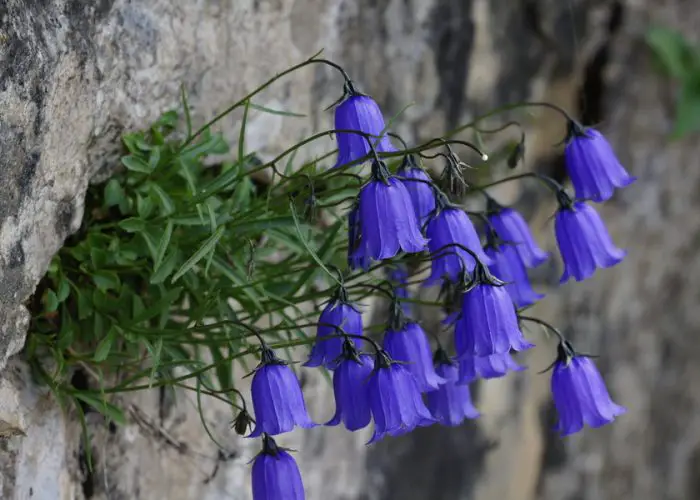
74	75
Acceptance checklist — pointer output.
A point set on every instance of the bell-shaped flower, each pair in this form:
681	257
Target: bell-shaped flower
451	403
395	400
447	229
488	323
410	345
592	165
386	221
579	393
350	387
356	254
511	228
277	398
494	366
338	314
417	183
507	267
584	242
361	113
397	274
276	475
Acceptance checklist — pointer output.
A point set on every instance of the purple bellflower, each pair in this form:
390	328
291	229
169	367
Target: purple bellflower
488	323
511	228
276	475
583	241
351	389
386	223
592	165
398	276
579	393
422	195
356	254
408	343
507	267
449	226
359	112
494	366
277	398
395	400
451	403
342	314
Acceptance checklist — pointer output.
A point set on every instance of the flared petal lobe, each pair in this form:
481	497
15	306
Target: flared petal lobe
396	403
387	222
277	401
580	396
507	266
511	228
494	366
593	167
488	323
422	195
411	345
361	113
326	352
584	242
452	226
350	387
276	476
451	403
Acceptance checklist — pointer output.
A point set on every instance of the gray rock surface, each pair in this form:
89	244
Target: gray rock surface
74	75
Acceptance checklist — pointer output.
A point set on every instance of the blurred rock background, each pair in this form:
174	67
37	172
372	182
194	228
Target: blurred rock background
74	75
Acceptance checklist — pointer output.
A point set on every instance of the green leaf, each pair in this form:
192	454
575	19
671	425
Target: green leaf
324	253
85	308
260	225
50	301
154	158
688	108
105	345
166	268
163	245
305	243
101	405
165	201
106	280
144	206
271	111
63	290
201	252
224	181
132	225
136	164
114	193
671	49
163	304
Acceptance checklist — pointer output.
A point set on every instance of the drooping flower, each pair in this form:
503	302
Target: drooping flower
277	398
410	344
387	223
276	475
395	401
494	366
592	165
398	276
511	228
359	112
507	267
342	314
584	242
422	195
488	323
449	226
351	389
356	254
579	393
451	403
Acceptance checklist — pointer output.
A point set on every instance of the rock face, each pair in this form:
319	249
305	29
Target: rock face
74	75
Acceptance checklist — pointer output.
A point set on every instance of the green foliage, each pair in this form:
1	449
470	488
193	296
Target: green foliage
680	60
171	255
